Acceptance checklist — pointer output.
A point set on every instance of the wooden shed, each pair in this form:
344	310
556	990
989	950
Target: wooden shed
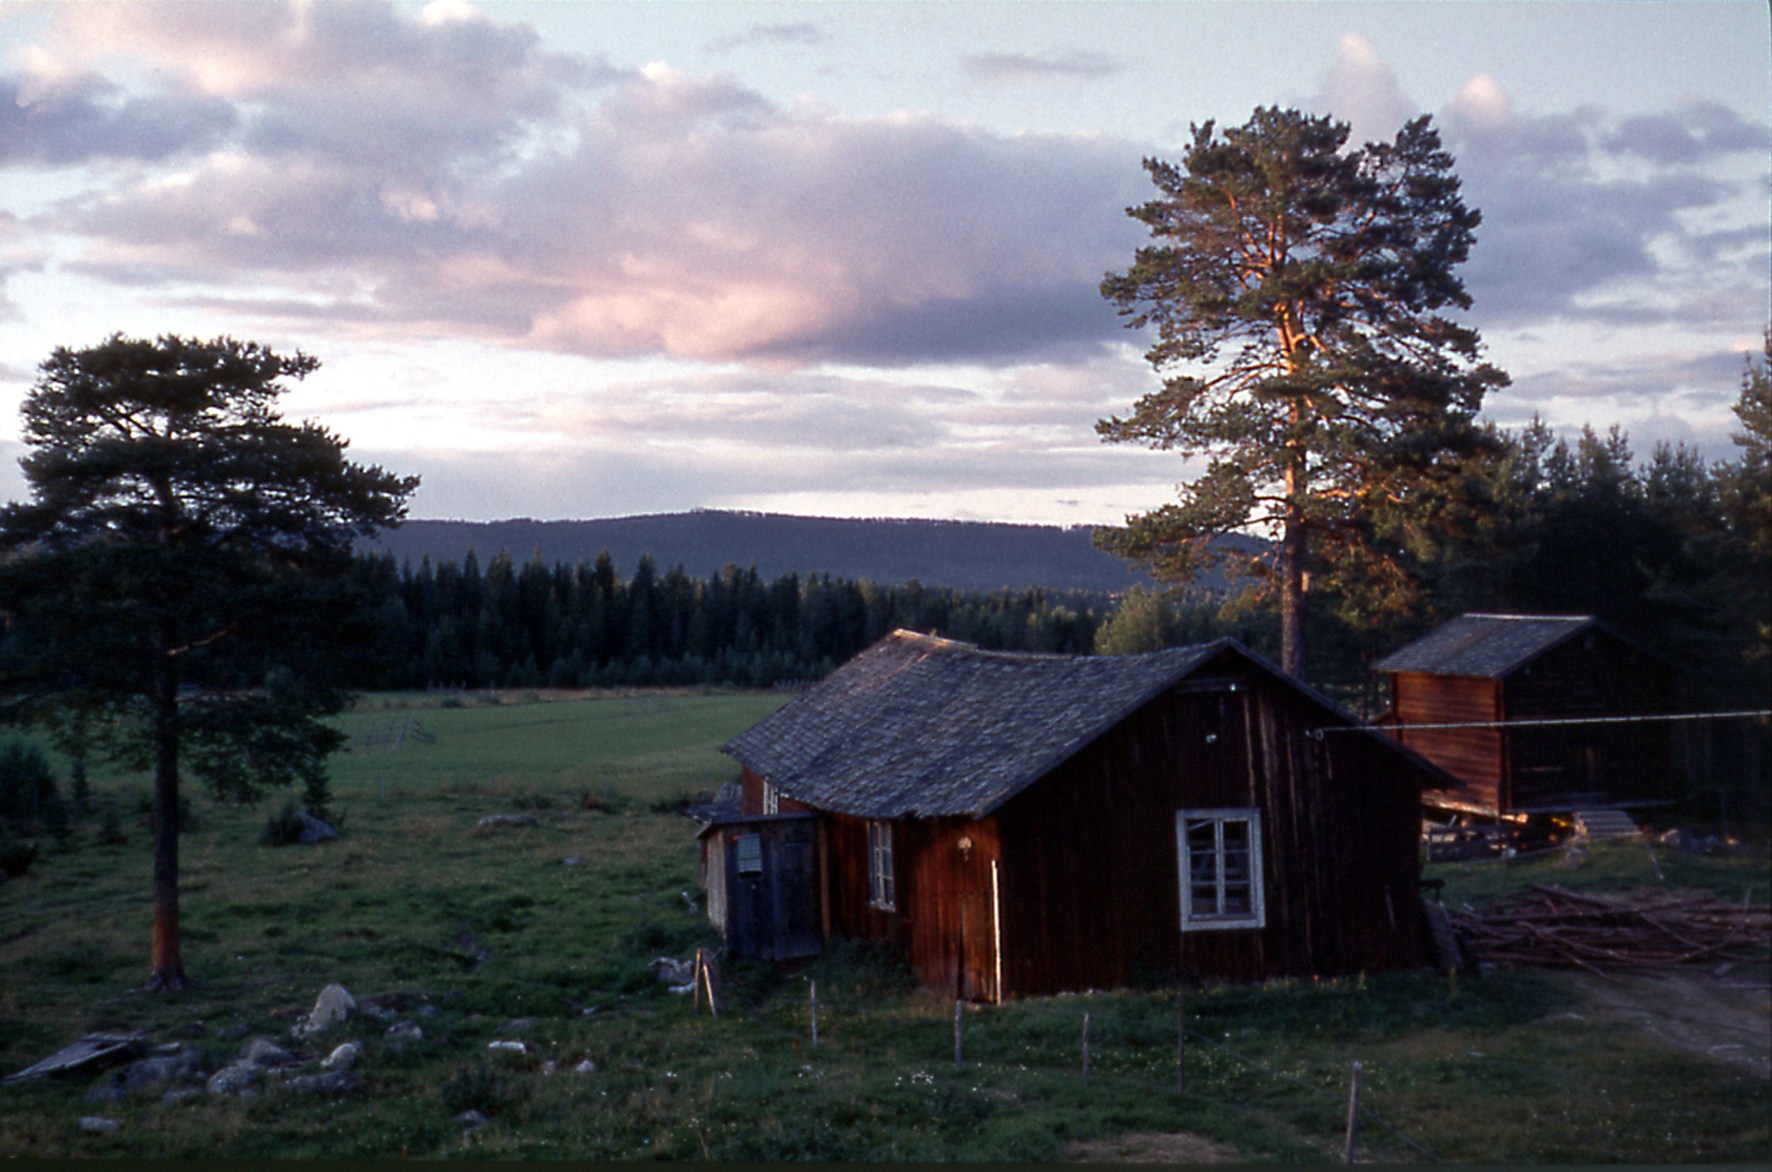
1029	824
1528	711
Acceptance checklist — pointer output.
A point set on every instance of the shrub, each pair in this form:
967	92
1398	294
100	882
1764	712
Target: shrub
16	856
284	827
30	797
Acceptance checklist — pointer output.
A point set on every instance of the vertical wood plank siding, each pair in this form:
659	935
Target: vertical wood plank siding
1478	756
1594	677
1089	880
1554	767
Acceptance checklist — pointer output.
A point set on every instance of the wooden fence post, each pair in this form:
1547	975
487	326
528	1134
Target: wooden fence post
1085	1049
1353	1115
707	978
1180	1043
815	1015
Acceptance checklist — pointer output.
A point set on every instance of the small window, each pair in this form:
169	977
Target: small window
1220	857
750	854
882	887
771	799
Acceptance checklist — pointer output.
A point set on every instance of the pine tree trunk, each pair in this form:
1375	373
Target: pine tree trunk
1294	555
1292	577
167	965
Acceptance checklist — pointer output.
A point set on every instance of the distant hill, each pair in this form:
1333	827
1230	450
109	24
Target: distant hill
963	555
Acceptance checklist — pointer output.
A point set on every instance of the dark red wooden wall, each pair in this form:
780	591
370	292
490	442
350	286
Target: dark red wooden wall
1088	891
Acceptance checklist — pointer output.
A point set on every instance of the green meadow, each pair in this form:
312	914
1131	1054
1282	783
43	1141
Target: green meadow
543	932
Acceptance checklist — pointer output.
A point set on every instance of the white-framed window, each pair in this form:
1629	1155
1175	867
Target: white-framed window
882	886
771	799
1220	857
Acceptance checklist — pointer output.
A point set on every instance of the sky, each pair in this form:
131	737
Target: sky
573	260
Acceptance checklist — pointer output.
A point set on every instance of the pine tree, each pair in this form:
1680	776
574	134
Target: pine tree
1295	291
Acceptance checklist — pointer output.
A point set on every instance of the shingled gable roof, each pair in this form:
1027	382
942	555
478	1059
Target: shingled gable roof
1490	645
917	726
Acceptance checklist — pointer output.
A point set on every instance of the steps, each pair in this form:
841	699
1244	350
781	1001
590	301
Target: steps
1605	824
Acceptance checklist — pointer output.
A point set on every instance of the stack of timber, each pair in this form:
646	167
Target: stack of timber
1554	928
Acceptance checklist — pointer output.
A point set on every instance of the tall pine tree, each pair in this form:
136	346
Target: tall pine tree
1295	290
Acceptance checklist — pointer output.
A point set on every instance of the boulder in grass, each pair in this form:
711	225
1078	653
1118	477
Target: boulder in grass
233	1080
333	1005
313	830
344	1057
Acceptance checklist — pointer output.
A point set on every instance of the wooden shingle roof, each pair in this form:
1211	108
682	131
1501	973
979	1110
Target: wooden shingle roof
1490	646
918	726
922	726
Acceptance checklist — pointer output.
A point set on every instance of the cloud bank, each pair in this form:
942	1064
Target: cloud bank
361	171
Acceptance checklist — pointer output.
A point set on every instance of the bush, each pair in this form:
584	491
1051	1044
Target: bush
284	827
30	797
16	856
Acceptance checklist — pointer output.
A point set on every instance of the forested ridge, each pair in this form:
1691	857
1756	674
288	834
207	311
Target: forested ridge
536	623
1665	550
963	555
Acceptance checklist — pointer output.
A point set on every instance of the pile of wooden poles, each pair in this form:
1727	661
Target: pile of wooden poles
1551	927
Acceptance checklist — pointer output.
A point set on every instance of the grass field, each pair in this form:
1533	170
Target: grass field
463	931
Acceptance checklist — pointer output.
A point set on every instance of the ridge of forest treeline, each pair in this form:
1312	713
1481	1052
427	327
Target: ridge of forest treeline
961	555
1669	551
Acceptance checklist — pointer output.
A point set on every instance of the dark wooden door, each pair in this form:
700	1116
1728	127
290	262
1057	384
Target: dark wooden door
978	946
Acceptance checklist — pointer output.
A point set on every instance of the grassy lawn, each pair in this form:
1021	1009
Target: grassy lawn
461	930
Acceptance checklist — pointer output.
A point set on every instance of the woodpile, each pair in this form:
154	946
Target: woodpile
1554	928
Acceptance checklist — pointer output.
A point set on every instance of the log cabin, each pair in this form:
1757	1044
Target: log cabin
1025	824
1526	711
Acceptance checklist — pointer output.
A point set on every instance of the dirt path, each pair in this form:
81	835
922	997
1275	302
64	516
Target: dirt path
1723	1012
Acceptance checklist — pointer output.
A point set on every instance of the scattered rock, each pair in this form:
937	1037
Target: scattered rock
98	1124
333	1082
344	1057
493	821
332	1006
262	1053
232	1080
512	1047
673	971
572	860
406	1030
313	830
586	1067
470	1119
146	1072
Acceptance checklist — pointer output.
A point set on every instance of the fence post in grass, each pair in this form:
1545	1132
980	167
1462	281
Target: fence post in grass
958	1004
705	976
1085	1049
815	1015
1180	1043
1353	1115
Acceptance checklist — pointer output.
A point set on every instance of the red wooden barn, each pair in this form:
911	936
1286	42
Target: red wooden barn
1525	710
1029	824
